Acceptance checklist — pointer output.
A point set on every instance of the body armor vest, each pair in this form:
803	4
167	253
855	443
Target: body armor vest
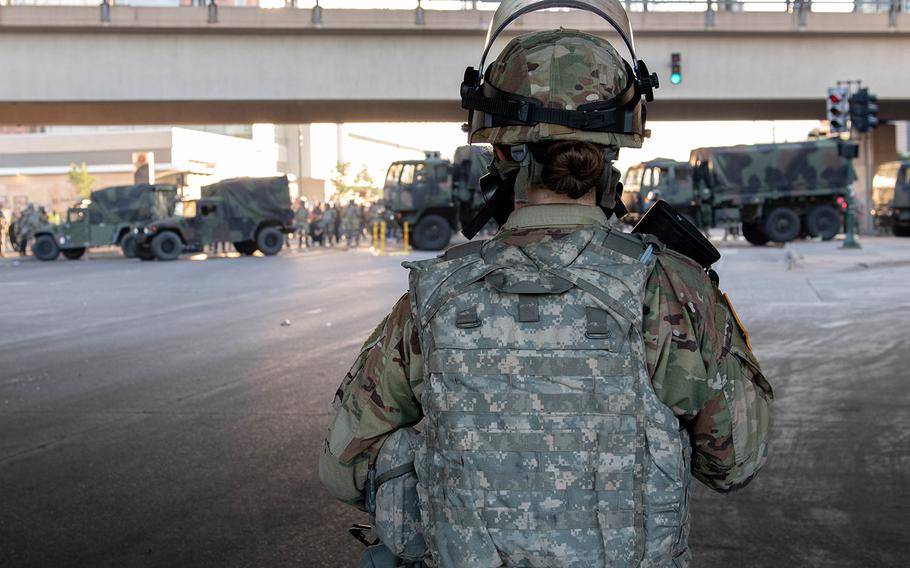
544	443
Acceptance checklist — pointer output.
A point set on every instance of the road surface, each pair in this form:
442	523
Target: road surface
160	414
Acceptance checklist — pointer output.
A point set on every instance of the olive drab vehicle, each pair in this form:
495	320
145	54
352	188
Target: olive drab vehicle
252	213
664	179
108	218
779	192
891	197
435	195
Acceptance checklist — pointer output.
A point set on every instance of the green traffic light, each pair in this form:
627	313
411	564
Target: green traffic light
676	78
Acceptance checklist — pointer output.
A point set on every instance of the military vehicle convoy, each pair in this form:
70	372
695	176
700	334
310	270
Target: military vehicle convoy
252	213
108	218
435	195
891	197
779	192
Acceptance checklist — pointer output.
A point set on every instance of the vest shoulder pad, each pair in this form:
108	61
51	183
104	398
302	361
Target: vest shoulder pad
463	250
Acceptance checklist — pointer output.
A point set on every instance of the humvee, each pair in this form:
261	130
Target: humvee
891	197
252	213
108	218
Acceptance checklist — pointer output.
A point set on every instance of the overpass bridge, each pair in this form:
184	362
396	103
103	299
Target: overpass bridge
179	65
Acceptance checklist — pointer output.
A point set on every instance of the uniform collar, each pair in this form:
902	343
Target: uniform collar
555	215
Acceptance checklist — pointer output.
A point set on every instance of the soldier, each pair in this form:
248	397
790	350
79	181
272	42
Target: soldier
302	225
2	230
352	223
328	222
25	228
540	399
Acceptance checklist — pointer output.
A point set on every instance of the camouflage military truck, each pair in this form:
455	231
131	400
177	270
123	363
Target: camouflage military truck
779	192
435	195
108	218
252	213
891	197
664	179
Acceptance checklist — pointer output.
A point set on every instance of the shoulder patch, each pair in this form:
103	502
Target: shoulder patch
739	323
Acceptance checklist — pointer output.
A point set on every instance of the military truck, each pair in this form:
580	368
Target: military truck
434	195
779	192
660	178
891	197
106	219
252	213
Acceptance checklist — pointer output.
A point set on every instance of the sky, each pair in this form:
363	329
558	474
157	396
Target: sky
668	140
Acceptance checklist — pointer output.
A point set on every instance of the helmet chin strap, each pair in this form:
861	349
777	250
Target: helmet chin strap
528	172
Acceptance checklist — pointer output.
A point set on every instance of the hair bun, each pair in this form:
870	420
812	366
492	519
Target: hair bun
570	167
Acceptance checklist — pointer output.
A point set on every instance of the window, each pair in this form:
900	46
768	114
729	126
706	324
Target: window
393	174
420	174
632	182
189	209
208	209
407	174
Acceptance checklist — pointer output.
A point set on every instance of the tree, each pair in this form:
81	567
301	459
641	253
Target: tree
81	180
362	183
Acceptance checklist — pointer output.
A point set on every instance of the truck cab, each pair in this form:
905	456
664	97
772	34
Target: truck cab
664	179
419	192
891	198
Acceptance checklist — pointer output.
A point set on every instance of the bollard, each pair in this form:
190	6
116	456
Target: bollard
375	236
382	239
405	237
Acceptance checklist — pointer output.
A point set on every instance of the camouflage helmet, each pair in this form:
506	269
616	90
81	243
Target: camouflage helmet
564	70
558	84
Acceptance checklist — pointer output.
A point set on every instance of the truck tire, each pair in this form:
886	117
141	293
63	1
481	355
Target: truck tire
754	234
166	246
45	248
246	248
432	232
269	241
823	221
782	225
128	246
74	254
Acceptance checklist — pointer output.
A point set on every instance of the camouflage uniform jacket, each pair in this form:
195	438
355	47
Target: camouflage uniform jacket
699	361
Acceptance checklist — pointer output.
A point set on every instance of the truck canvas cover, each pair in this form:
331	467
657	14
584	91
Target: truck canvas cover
132	203
802	167
253	197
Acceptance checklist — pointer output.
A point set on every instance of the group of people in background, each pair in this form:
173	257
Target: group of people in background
19	229
327	223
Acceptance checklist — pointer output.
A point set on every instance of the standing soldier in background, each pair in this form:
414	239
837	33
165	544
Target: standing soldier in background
3	228
542	398
328	223
352	223
302	224
26	226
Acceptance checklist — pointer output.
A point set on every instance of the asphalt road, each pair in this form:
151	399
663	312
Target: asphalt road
160	414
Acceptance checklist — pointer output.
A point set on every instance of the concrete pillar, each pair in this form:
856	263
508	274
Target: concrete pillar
875	148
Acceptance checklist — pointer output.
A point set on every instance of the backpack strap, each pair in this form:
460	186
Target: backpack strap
632	245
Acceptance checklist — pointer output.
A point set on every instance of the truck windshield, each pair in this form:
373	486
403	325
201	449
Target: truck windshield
391	177
632	181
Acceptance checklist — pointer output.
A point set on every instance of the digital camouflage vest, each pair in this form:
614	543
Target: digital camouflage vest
544	442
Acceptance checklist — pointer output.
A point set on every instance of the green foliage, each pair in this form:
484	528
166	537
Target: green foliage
81	180
347	185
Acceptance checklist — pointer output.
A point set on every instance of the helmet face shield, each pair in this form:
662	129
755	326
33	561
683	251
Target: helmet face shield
510	10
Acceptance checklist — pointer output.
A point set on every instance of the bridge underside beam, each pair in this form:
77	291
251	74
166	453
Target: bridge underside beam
297	112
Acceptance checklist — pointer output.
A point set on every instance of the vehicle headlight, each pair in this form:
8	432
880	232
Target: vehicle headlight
62	240
145	230
135	230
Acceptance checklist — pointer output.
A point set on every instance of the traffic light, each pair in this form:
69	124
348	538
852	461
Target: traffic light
864	110
838	108
675	68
